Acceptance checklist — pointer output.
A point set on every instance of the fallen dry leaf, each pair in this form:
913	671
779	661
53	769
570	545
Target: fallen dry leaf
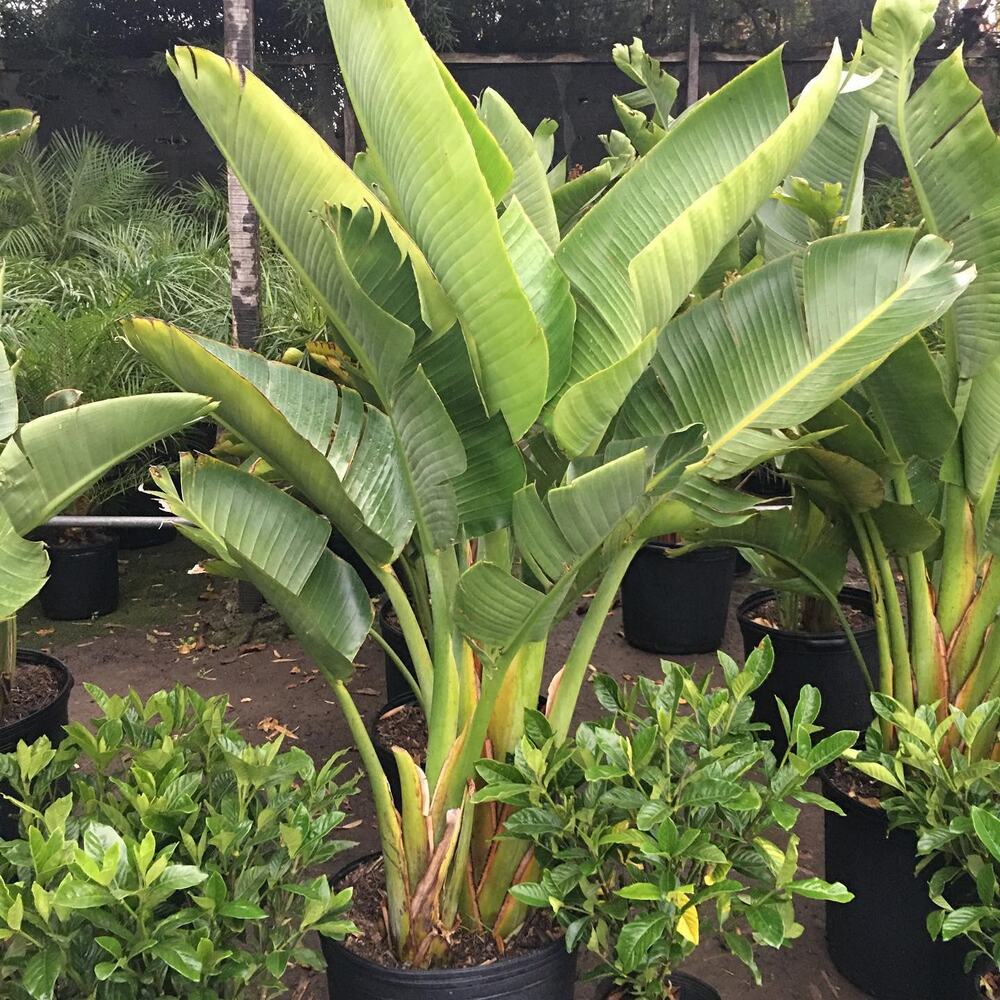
191	645
370	692
157	631
271	727
252	647
45	631
245	701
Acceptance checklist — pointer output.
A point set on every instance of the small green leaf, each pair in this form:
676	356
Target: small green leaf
177	877
641	890
42	972
767	925
180	957
987	827
530	893
637	937
80	895
816	888
242	911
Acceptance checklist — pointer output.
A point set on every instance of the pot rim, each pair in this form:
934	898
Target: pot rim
855	597
833	792
431	977
708	553
108	542
676	978
35	657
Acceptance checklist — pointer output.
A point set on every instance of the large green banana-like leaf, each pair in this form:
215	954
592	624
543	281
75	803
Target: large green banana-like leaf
909	404
433	456
952	154
657	87
639	252
981	435
8	391
292	176
796	549
496	168
547	289
17	125
563	535
779	345
411	122
836	156
494	469
279	545
572	197
52	460
339	452
530	186
24	566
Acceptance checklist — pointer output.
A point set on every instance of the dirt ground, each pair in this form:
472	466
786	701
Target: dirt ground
174	627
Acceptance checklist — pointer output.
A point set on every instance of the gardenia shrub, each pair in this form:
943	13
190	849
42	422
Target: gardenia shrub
163	856
668	818
949	800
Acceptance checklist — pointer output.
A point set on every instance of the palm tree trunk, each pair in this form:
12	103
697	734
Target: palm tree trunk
244	226
244	230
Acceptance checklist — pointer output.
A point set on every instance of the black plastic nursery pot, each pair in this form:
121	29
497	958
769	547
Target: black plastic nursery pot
680	604
83	581
546	974
824	660
50	720
396	685
879	941
339	546
687	987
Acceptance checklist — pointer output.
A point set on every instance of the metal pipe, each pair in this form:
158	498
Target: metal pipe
108	521
101	521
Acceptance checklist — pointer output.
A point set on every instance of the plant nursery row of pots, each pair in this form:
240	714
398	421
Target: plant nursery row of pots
542	388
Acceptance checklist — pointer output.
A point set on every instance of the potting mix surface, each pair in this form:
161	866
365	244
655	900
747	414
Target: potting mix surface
176	628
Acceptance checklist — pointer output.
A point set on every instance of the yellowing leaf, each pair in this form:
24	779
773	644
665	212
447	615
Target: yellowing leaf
687	925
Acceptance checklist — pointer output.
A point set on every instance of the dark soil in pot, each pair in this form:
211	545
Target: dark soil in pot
680	604
879	940
400	723
83	577
535	965
685	988
824	660
396	685
766	481
39	707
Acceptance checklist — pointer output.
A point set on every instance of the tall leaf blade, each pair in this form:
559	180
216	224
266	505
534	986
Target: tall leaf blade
54	459
329	609
342	456
292	175
23	568
952	153
410	120
530	187
779	345
636	255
